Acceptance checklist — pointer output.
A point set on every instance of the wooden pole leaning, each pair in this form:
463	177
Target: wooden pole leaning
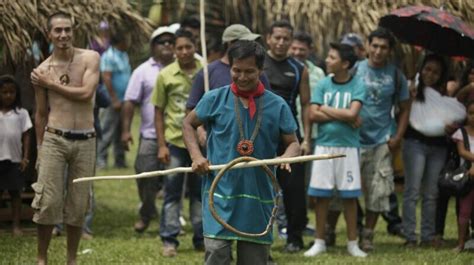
273	161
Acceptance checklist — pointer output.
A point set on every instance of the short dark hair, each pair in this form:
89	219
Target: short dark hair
469	103
191	22
242	49
382	33
117	37
182	33
9	79
346	52
280	24
465	74
303	37
59	14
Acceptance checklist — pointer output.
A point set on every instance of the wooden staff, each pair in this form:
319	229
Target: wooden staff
273	161
202	19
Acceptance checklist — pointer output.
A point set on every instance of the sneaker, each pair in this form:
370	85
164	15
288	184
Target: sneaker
100	165
292	248
354	249
438	242
282	233
87	236
366	240
469	244
410	244
396	231
309	231
120	165
270	260
199	247
56	231
169	250
318	247
428	243
140	226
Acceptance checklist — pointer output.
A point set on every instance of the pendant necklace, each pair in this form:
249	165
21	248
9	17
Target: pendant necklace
64	79
245	146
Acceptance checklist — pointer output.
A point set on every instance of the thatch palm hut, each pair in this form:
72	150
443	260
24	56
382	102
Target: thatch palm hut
23	19
325	20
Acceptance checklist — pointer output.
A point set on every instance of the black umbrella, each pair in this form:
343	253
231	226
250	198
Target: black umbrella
431	28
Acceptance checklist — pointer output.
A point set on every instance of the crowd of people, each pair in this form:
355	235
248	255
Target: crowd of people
264	103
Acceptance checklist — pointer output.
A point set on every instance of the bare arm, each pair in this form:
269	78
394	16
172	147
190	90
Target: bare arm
402	124
346	115
190	125
316	115
465	154
127	117
90	79
464	92
25	141
107	79
292	148
41	115
304	101
163	151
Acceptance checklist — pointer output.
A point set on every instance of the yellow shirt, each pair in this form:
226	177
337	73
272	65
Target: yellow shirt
170	94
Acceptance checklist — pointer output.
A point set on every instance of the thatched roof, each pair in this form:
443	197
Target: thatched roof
325	20
21	19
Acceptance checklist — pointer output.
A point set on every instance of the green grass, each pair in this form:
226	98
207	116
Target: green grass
115	241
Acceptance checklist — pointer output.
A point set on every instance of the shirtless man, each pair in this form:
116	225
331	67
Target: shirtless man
65	87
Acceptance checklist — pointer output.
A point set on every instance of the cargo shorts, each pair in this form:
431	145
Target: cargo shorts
377	177
55	201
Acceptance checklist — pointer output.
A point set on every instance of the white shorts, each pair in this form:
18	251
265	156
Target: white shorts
340	173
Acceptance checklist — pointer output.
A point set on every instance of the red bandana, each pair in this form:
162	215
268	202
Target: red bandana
249	95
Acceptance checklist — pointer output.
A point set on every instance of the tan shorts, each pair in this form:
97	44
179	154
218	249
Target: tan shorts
377	177
57	199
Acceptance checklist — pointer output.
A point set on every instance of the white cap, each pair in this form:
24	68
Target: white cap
160	31
174	27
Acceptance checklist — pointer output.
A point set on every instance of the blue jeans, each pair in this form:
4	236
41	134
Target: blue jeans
423	164
173	184
111	133
148	187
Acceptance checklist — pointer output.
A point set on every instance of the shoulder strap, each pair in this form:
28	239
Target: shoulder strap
465	139
398	86
297	73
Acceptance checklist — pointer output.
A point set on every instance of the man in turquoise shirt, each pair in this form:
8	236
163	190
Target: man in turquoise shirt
115	70
231	114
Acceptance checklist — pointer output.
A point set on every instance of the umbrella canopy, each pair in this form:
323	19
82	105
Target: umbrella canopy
431	28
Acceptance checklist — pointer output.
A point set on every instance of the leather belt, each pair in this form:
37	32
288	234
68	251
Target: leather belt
71	135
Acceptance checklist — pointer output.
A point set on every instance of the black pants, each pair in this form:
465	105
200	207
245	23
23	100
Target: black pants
441	211
392	217
294	199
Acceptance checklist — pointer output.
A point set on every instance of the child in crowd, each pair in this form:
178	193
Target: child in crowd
466	84
466	203
335	107
14	145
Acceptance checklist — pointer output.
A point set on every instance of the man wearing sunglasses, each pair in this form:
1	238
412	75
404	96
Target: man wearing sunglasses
138	93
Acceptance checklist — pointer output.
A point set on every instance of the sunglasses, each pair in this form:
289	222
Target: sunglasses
164	42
